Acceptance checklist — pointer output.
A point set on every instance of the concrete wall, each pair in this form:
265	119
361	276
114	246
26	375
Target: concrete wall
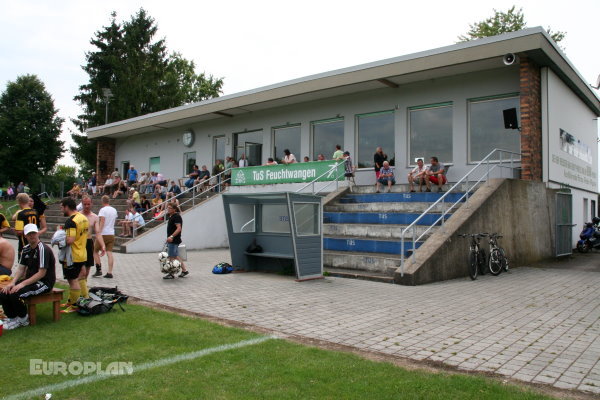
522	211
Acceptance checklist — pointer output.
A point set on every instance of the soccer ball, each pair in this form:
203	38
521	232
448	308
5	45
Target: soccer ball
171	267
175	266
165	267
162	257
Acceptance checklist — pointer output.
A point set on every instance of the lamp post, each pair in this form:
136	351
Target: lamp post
107	95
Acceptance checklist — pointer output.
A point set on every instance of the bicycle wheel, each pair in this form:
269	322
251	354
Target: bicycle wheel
495	262
504	260
482	262
473	265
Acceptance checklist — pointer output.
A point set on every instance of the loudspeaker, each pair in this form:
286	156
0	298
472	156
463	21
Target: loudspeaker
509	59
510	118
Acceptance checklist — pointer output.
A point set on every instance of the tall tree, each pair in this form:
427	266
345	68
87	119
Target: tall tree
502	22
29	131
141	75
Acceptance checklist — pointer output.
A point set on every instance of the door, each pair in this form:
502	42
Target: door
564	224
253	153
219	149
124	169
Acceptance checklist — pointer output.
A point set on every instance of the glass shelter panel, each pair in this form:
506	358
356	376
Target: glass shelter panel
431	133
375	130
307	219
486	127
242	218
275	218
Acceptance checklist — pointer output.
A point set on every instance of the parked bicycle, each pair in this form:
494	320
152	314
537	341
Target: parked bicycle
477	262
497	260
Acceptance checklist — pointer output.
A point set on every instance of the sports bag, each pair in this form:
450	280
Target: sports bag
222	268
101	300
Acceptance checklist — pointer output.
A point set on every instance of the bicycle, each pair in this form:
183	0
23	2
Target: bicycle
497	260
477	259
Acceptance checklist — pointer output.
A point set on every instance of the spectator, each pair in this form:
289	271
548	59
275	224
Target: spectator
105	189
120	190
378	160
144	204
386	177
134	195
105	236
132	176
160	179
116	183
136	222
228	167
348	167
320	157
160	192
192	177
417	174
217	169
174	227
39	206
140	181
36	276
203	178
175	189
288	157
10	192
306	159
75	191
270	161
125	222
24	216
20	188
338	154
115	173
436	174
243	161
146	185
92	184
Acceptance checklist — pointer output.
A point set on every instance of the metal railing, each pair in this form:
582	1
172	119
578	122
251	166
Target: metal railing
219	184
51	200
331	170
447	207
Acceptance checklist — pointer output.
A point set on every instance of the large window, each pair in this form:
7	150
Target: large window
154	164
250	144
189	160
375	130
325	135
486	127
286	138
219	148
430	132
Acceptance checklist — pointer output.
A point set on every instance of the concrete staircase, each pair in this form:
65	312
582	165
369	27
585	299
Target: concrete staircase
361	230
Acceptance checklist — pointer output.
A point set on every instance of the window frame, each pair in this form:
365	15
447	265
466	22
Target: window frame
312	134
185	162
286	126
357	134
318	218
426	158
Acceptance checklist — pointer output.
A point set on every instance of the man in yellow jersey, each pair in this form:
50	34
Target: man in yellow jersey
76	227
25	216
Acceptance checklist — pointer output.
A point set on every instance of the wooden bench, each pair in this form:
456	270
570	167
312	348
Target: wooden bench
54	297
271	255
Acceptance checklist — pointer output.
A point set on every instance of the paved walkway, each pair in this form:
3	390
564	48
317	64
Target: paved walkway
537	325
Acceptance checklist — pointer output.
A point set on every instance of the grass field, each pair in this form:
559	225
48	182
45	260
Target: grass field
269	369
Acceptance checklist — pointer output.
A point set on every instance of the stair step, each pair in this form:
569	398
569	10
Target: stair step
357	244
352	274
400	197
374	231
379	218
407	207
367	263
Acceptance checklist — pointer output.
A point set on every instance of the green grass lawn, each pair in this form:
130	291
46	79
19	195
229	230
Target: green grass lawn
273	369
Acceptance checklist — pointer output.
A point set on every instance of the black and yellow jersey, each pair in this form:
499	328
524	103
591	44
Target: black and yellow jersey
77	226
3	222
24	217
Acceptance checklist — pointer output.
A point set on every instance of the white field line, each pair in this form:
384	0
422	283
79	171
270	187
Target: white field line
142	367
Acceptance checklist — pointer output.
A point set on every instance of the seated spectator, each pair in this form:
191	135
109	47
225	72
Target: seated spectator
386	177
270	161
306	159
175	189
160	191
417	174
105	189
320	157
75	191
92	184
120	190
146	185
171	199
20	188
144	204
124	222
436	174
134	195
132	223
160	179
203	178
192	177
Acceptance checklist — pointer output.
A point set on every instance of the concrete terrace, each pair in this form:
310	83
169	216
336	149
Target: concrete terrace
537	324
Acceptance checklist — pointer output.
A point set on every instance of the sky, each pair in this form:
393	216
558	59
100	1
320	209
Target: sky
256	43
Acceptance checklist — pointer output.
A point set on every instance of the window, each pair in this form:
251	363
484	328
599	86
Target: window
242	218
154	164
593	208
486	127
286	138
189	160
586	216
307	219
325	135
431	132
375	130
250	144
275	218
219	148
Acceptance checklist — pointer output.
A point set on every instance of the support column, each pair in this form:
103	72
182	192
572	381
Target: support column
105	159
531	120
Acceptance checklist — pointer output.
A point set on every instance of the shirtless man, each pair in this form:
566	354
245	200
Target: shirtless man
7	257
92	256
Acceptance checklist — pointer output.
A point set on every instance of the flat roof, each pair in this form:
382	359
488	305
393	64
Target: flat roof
456	59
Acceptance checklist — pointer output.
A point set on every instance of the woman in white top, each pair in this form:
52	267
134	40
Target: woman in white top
289	158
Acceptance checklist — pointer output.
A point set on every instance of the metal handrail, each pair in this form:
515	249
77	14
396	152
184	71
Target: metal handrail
333	168
442	218
192	199
16	205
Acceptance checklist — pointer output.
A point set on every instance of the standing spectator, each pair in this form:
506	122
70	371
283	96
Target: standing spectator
20	188
10	192
228	166
378	160
115	173
35	203
217	169
338	154
243	161
132	176
26	215
105	236
77	228
417	174
174	227
92	257
386	177
192	177
288	157
436	173
93	183
36	276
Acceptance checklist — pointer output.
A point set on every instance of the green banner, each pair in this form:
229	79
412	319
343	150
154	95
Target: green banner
292	173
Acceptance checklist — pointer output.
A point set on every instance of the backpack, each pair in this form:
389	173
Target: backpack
101	300
222	268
